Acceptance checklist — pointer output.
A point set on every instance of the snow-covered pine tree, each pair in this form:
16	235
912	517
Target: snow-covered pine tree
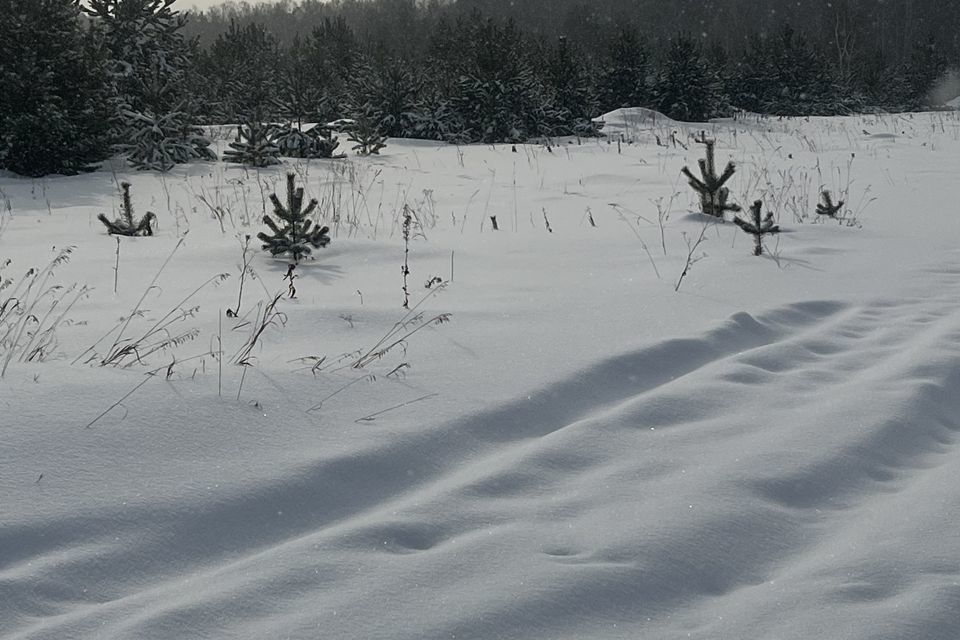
161	142
495	92
293	233
758	226
574	96
126	224
784	75
243	69
624	70
365	134
53	117
333	56
709	186
316	142
253	146
388	93
150	63
688	88
324	142
299	96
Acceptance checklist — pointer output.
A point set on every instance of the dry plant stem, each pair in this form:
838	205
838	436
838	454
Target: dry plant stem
116	267
219	355
19	312
692	257
390	339
136	308
242	378
319	405
405	270
643	244
118	353
243	274
44	338
546	221
120	401
374	416
267	315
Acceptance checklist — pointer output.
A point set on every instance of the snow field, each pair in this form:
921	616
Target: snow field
580	453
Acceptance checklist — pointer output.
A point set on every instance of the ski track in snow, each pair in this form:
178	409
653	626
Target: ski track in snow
786	474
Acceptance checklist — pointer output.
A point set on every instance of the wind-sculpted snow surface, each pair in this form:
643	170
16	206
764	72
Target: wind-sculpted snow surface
778	476
581	453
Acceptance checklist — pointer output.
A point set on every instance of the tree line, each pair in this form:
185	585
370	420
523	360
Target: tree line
138	76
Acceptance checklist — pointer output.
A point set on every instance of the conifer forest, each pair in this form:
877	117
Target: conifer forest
138	76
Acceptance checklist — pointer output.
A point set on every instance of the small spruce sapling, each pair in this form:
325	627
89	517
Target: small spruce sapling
713	195
827	208
758	226
294	233
366	136
126	225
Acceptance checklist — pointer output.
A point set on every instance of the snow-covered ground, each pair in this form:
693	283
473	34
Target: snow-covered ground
580	451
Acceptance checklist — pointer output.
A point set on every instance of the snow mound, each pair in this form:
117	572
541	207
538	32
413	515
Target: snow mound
630	121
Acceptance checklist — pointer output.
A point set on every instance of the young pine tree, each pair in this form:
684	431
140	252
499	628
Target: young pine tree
758	226
293	233
126	224
253	146
710	186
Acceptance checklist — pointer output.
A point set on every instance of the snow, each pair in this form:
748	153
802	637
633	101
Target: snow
580	452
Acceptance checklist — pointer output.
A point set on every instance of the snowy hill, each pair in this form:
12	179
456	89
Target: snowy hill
553	444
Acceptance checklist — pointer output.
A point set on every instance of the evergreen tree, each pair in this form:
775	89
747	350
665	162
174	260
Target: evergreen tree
150	62
253	146
758	226
624	71
126	224
300	98
52	114
295	142
710	186
293	233
158	143
785	76
386	93
827	208
574	96
242	70
496	95
366	135
333	54
922	70
688	88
